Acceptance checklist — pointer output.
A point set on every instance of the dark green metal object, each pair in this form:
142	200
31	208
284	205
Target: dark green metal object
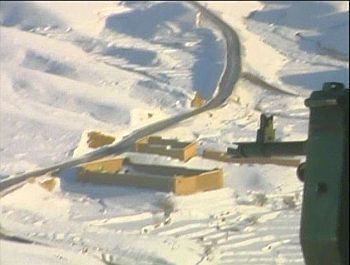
325	215
266	132
324	232
265	144
268	149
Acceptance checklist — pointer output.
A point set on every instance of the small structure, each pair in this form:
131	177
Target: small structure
197	101
97	139
47	183
179	180
167	147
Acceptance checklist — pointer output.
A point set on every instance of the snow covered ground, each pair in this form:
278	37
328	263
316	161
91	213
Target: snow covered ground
14	253
67	68
108	76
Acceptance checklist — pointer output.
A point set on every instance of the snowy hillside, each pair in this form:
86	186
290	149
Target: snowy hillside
63	74
67	68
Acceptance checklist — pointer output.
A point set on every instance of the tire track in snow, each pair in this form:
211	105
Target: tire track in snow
256	80
254	243
225	87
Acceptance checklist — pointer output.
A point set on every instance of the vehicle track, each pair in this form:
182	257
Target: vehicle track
225	87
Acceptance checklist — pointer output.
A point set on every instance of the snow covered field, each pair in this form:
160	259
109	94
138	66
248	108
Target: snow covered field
108	76
70	67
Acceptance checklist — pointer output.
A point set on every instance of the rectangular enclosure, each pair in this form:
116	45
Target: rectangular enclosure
167	147
179	180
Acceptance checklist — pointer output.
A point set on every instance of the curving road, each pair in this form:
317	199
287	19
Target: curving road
224	90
